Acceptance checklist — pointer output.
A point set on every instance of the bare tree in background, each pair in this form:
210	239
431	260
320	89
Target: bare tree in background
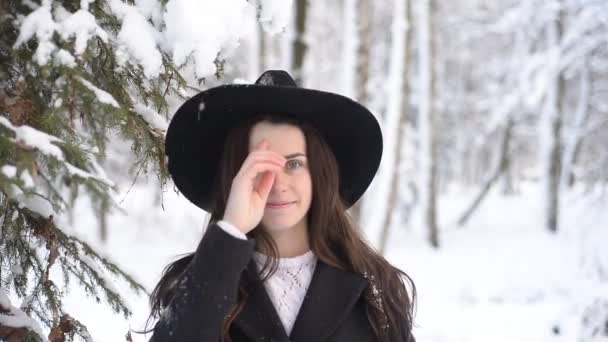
395	118
550	127
299	43
364	28
364	8
426	122
350	45
573	141
499	168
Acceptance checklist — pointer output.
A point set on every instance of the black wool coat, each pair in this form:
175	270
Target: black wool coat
333	308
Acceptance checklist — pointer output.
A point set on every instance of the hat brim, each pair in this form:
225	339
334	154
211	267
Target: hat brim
197	132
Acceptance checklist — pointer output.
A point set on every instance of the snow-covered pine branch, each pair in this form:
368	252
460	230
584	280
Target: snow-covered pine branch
76	74
15	323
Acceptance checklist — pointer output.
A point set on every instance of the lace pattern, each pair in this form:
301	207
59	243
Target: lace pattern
287	287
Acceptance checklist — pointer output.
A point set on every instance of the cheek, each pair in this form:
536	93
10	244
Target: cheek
305	189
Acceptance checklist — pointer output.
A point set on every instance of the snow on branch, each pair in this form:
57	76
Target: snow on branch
40	23
137	38
153	118
14	322
81	25
143	32
102	95
190	36
32	138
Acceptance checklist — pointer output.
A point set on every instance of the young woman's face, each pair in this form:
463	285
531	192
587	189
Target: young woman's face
291	194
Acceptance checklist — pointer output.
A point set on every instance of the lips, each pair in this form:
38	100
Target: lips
278	205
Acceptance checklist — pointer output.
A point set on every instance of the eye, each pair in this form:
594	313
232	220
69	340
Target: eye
294	163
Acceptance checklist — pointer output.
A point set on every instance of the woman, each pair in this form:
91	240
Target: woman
277	167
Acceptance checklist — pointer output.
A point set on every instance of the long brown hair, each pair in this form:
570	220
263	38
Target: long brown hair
334	239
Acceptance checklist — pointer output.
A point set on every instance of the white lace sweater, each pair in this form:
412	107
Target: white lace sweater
287	287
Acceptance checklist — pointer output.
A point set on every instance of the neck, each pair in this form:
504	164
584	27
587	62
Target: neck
291	242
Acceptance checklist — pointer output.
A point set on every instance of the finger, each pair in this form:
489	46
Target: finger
265	185
254	170
263	158
270	158
266	154
262	145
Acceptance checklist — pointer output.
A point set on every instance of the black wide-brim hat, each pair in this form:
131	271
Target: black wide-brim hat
197	132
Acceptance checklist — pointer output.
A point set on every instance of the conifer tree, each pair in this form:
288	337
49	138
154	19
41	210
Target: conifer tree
69	81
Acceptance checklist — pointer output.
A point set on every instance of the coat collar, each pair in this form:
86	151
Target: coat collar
330	297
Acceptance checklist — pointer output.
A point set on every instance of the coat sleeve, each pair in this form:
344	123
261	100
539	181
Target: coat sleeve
206	291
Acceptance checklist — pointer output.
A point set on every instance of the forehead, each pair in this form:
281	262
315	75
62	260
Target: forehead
283	138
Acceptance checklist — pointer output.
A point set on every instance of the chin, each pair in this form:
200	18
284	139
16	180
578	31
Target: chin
279	224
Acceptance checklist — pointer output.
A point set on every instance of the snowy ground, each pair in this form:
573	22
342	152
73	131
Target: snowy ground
500	278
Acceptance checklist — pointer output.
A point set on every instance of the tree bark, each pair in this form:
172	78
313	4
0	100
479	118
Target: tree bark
364	9
299	44
263	47
551	126
574	142
255	56
399	104
499	168
364	28
427	126
350	43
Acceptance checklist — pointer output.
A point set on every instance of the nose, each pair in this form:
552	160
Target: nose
280	182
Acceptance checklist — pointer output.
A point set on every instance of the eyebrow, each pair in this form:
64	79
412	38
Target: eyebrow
293	155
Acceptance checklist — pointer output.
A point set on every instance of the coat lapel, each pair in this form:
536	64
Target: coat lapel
259	319
331	295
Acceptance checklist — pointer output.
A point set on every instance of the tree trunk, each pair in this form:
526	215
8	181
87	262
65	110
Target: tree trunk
396	110
363	59
349	49
427	125
263	47
287	43
574	142
299	43
499	168
364	9
551	125
254	66
508	185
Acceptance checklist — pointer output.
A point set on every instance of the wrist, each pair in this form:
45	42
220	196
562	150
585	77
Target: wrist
234	223
232	229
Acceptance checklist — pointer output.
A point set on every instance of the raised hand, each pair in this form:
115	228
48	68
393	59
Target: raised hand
251	186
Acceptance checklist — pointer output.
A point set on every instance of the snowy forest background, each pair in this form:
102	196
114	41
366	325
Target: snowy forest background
492	193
